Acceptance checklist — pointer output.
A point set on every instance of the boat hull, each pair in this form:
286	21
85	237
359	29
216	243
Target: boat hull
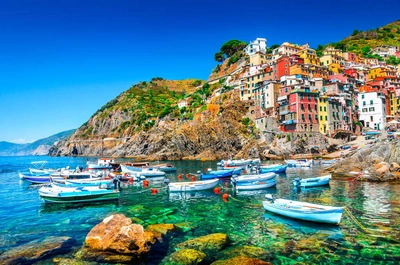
274	169
56	194
217	174
329	216
255	185
312	182
192	186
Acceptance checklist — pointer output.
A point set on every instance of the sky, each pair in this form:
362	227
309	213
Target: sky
60	61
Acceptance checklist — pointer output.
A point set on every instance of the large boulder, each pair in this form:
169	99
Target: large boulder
37	250
116	239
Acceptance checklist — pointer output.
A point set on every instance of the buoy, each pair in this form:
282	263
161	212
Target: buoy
145	183
131	180
187	175
225	196
154	191
180	177
217	190
193	178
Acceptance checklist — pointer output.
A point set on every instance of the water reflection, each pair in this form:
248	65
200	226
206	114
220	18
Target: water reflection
377	207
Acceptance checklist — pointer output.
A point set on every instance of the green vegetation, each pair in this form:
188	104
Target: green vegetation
233	50
272	47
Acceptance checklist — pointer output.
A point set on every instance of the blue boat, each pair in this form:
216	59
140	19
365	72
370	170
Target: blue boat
35	178
312	182
217	174
280	168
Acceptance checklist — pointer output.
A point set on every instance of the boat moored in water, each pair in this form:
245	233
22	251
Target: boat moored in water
254	182
192	186
312	182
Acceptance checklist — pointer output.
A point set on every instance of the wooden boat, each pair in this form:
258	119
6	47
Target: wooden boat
217	174
254	182
193	186
303	210
299	163
279	168
312	182
56	194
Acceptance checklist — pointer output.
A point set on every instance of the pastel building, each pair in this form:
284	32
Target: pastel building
372	109
259	45
330	115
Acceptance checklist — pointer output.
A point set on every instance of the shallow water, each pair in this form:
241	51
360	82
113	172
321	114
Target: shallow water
376	205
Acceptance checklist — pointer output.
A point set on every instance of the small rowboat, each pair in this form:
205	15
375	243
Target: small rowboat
303	210
56	194
312	182
35	178
280	168
193	186
299	163
217	174
254	182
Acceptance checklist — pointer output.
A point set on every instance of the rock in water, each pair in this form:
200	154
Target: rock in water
209	244
116	239
37	250
242	261
185	257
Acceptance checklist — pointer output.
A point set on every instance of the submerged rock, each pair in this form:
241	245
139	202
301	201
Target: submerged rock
242	261
184	257
209	244
37	250
163	229
245	251
70	261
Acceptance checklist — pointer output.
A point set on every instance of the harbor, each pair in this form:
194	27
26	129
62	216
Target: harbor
240	215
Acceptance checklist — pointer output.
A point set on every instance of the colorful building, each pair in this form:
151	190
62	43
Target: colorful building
259	45
334	63
350	57
372	110
310	56
381	71
282	67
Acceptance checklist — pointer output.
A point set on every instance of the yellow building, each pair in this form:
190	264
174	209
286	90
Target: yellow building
332	51
334	63
257	58
394	103
252	80
323	114
309	56
381	71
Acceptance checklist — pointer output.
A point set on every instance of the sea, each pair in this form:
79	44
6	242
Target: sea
372	236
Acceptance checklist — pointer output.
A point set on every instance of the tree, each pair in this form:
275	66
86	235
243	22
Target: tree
230	47
219	57
355	32
319	50
272	47
365	50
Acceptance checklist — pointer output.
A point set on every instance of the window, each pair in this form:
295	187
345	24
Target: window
302	106
320	108
371	118
371	102
324	108
321	118
301	96
373	109
362	96
316	117
302	116
364	103
326	118
364	110
316	107
286	89
309	117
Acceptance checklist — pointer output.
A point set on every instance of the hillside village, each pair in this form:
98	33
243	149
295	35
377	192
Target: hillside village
337	94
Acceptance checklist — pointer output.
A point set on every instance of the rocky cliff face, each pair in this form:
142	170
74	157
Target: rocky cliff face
143	122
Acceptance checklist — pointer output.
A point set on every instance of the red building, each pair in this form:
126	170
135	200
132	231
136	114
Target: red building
299	112
282	67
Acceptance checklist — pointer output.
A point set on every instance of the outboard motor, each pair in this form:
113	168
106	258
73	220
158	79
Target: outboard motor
297	182
166	181
270	198
116	181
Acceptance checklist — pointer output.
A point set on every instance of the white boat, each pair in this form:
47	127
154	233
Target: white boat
146	172
81	176
39	167
238	162
254	182
312	182
163	167
102	163
299	163
303	210
56	194
193	186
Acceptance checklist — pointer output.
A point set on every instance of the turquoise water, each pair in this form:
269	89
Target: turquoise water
24	217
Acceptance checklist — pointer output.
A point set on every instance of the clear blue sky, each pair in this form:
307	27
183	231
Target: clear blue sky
62	60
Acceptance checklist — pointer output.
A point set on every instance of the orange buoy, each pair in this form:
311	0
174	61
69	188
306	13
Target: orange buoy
225	196
145	183
131	180
154	191
180	177
193	178
187	175
217	190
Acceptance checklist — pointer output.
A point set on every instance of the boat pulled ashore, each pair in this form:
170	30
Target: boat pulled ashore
58	194
303	210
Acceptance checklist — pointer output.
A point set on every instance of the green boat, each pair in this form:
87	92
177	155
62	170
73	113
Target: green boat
56	194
